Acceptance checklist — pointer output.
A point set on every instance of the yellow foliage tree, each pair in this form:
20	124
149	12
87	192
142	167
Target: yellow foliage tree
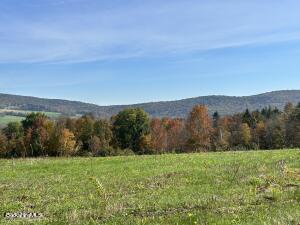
199	128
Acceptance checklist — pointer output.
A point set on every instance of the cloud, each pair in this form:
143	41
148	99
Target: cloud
74	31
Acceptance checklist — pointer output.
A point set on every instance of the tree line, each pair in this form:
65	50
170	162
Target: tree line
132	131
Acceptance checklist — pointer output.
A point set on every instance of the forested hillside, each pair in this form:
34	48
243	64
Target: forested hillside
225	105
131	131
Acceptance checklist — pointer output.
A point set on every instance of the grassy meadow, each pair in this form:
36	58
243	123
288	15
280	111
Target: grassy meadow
255	187
5	119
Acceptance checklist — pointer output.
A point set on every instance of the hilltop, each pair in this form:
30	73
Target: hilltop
225	105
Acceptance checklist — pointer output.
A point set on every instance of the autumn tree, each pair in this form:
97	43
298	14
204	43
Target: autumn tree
95	146
4	151
130	128
67	122
199	128
245	134
158	134
13	130
288	108
15	143
84	131
221	134
275	133
62	142
176	134
70	124
37	128
293	128
259	135
67	143
234	125
102	130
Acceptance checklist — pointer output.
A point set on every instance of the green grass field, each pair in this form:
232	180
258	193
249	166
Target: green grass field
4	120
259	187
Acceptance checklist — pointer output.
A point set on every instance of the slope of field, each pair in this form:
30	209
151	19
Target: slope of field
214	188
225	105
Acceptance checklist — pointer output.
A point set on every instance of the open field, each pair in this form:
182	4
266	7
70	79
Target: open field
4	120
50	114
259	187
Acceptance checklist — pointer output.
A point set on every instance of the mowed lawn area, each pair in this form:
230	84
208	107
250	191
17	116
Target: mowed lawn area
255	187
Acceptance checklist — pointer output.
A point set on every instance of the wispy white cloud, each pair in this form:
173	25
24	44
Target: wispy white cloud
73	31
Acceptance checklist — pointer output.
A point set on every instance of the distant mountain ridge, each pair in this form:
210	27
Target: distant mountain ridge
225	105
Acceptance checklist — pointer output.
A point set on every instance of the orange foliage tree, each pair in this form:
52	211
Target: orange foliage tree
199	128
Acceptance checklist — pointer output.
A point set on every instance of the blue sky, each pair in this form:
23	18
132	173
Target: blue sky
121	51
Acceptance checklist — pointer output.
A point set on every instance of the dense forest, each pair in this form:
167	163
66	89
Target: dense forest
132	131
225	105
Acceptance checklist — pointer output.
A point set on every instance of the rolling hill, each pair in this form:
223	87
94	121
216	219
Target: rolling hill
225	105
